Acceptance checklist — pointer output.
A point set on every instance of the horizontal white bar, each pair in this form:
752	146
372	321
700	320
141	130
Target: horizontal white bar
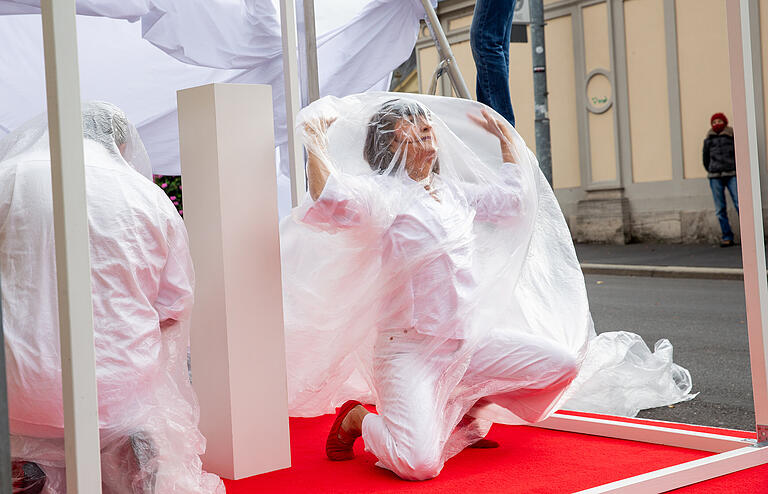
687	473
701	441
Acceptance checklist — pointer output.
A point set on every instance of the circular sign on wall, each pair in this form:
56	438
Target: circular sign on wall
599	91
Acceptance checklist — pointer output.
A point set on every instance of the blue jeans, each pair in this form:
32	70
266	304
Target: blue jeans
718	186
489	38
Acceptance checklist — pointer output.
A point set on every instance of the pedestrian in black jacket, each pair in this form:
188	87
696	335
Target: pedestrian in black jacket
720	163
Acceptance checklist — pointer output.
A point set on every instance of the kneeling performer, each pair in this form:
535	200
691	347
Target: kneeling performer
439	356
142	286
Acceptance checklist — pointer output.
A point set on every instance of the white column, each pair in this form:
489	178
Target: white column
748	164
73	266
230	209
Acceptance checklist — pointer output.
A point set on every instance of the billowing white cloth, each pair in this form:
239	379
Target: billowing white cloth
208	41
142	283
440	296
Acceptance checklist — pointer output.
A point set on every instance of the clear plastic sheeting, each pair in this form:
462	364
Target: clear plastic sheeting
615	376
142	281
103	123
430	271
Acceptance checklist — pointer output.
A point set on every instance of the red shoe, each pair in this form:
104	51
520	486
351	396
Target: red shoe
338	446
484	444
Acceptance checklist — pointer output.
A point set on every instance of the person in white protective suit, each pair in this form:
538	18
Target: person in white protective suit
431	272
142	285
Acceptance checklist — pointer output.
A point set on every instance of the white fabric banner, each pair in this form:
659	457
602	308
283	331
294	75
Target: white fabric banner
138	53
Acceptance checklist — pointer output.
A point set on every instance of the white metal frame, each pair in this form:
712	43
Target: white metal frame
692	472
645	433
73	268
307	39
299	58
743	41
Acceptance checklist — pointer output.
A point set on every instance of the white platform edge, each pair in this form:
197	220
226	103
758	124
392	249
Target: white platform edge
687	473
702	441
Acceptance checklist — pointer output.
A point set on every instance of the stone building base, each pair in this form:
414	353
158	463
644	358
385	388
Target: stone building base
607	216
613	222
603	217
686	227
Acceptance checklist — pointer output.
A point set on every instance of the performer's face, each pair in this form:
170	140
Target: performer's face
415	139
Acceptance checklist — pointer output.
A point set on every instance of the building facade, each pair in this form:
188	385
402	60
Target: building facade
632	85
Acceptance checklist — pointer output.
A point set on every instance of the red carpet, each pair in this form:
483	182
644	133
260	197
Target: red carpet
530	460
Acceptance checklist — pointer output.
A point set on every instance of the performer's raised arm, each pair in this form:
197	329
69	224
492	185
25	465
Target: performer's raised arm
500	131
500	201
340	201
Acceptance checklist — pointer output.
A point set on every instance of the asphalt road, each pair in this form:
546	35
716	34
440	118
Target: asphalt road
706	322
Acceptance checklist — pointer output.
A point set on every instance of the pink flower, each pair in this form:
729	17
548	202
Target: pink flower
181	211
173	198
175	203
164	185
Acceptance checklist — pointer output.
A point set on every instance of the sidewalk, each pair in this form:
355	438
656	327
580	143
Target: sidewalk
662	260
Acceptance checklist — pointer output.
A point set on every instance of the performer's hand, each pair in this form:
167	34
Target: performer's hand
316	142
316	133
499	129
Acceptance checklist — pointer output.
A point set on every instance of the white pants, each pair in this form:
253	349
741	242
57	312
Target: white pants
414	377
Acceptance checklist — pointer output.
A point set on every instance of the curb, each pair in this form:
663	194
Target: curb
664	271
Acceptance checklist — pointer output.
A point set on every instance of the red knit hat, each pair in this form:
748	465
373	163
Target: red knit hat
721	116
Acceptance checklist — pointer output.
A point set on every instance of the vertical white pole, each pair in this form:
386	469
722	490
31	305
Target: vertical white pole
748	163
81	432
309	48
292	99
309	84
